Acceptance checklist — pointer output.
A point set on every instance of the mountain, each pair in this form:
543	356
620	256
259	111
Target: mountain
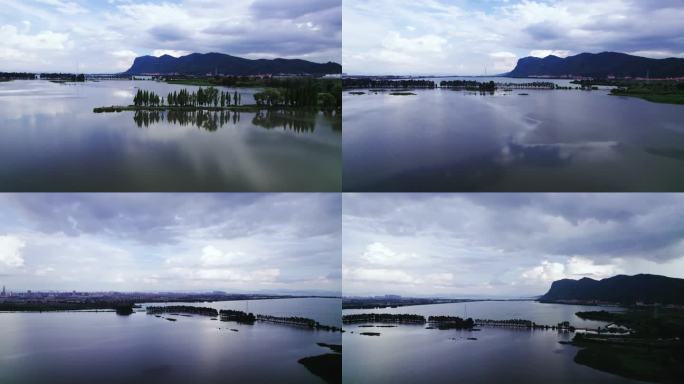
618	289
598	65
201	64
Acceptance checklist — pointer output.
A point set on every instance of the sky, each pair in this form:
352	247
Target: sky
170	242
468	37
105	36
504	245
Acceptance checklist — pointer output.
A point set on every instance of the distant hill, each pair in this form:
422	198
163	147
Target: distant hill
598	65
618	289
201	64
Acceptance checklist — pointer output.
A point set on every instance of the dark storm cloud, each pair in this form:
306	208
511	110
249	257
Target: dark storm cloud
168	33
506	243
171	241
278	9
164	218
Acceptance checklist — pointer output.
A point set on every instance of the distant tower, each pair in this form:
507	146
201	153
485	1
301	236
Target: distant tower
3	291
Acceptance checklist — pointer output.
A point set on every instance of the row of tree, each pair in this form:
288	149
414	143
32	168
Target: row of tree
237	316
204	311
451	322
470	85
386	83
307	93
146	99
383	318
203	97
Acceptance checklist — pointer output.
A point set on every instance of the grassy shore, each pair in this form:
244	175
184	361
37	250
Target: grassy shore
666	92
661	365
654	97
328	366
654	352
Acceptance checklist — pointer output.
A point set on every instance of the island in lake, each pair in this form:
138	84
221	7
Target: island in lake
239	103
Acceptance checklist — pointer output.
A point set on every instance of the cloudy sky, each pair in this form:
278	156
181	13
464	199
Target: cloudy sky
468	37
231	242
106	35
504	245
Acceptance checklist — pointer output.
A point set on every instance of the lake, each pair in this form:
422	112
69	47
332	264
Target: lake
92	347
50	140
561	140
411	353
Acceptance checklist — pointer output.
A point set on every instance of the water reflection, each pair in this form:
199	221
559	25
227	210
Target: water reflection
300	121
447	140
207	120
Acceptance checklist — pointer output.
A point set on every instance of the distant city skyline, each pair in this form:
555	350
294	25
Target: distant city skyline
237	243
466	37
504	245
82	36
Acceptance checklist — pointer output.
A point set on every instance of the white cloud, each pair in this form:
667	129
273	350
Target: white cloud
66	7
378	253
10	251
575	267
548	52
228	275
170	52
377	275
504	61
214	257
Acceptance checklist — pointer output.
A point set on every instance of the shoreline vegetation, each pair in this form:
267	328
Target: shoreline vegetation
657	91
53	77
395	302
67	301
651	350
327	366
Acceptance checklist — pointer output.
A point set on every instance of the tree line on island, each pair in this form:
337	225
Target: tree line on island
451	322
383	318
203	311
371	83
240	316
203	97
298	321
299	97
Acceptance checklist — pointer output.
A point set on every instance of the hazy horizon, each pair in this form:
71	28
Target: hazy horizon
234	242
468	38
79	36
510	245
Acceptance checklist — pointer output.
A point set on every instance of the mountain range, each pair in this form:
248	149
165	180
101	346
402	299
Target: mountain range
600	65
618	289
219	63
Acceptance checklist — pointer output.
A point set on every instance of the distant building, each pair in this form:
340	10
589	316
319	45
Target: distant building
3	294
142	77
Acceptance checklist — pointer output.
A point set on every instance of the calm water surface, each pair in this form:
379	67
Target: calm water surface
50	140
411	353
89	347
447	140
